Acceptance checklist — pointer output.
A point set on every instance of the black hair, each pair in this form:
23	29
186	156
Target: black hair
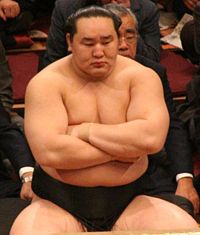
87	12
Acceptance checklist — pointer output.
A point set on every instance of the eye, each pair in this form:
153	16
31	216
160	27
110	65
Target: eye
88	44
106	42
131	37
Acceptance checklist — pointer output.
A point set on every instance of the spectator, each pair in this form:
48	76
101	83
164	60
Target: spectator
14	147
15	17
6	94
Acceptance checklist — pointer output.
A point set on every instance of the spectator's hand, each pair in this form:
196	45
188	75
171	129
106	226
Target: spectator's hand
26	190
190	4
9	9
186	189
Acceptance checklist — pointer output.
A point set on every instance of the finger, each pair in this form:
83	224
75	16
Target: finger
2	15
14	11
8	12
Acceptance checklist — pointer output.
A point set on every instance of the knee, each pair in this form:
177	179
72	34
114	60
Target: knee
148	213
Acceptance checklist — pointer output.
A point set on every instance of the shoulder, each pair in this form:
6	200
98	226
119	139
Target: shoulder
133	69
158	68
145	8
138	4
51	77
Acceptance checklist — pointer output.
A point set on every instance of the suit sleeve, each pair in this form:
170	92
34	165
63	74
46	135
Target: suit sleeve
13	143
178	146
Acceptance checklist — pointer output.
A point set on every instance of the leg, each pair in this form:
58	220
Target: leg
149	213
5	80
43	217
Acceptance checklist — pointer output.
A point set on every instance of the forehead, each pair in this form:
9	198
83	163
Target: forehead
95	25
127	22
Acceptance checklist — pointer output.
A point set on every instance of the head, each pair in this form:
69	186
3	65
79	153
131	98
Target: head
128	31
92	37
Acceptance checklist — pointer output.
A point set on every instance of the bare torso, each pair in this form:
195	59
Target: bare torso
103	102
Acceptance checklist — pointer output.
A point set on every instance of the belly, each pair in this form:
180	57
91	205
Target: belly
109	174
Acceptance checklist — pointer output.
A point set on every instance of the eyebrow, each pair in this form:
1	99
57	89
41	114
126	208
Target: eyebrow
109	37
89	39
129	30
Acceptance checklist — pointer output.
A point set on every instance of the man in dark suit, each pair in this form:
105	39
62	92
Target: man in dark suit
146	12
172	170
14	147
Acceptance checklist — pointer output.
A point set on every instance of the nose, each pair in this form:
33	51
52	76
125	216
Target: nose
122	44
98	51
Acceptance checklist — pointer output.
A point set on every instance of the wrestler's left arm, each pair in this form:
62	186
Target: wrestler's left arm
146	127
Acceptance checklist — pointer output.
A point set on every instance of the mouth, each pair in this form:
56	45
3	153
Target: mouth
99	64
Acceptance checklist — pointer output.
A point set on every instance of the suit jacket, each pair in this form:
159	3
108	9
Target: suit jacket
146	13
178	157
13	143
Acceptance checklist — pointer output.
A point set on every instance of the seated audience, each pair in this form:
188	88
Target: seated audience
15	17
95	128
146	12
184	6
175	168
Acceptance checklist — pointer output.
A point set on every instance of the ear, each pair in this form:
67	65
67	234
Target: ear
69	43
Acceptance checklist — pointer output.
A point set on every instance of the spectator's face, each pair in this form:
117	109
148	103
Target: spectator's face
94	47
125	3
127	37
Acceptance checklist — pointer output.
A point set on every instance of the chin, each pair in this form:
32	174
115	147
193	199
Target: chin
126	55
99	75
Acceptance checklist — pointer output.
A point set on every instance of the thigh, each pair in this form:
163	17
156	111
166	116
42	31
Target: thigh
43	217
149	213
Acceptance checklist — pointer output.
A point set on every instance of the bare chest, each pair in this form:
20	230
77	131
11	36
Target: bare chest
102	104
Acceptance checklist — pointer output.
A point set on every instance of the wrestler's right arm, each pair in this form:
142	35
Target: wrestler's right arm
46	124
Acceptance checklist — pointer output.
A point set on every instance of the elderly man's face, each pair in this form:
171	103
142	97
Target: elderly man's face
125	3
127	37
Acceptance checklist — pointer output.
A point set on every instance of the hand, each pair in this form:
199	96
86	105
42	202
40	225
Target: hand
26	190
80	131
186	189
190	4
9	9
